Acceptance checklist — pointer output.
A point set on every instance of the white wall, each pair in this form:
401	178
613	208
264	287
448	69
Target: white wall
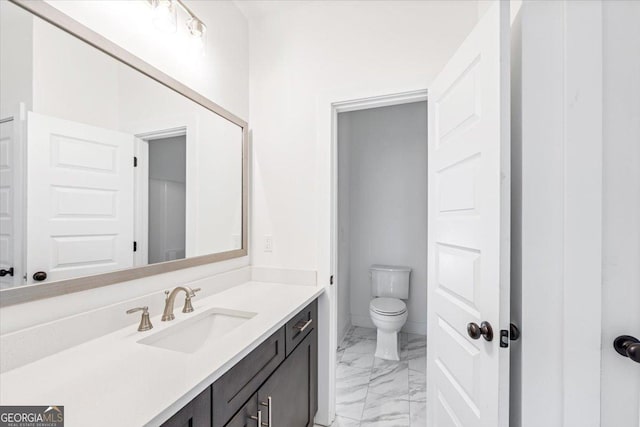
168	159
387	187
303	59
222	74
16	42
72	80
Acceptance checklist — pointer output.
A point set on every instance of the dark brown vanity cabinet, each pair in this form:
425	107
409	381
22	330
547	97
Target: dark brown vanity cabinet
238	384
290	394
247	416
195	414
277	382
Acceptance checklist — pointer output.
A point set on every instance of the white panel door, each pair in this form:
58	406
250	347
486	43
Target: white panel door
620	386
468	261
80	199
10	203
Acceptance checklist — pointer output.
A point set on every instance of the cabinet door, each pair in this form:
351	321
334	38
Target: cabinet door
233	389
292	389
244	416
196	413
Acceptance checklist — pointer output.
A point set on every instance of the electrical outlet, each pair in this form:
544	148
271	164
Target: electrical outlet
268	243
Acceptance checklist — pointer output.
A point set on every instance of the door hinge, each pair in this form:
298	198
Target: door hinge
135	162
135	246
331	280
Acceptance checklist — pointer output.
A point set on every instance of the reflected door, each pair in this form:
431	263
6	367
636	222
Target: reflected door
10	204
468	262
80	199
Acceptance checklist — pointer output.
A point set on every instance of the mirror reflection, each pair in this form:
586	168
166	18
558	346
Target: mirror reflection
102	167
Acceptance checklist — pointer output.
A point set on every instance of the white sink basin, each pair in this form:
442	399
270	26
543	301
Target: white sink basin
189	335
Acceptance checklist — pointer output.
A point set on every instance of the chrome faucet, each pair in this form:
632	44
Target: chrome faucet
171	297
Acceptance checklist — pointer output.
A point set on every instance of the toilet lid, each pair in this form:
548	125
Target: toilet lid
388	306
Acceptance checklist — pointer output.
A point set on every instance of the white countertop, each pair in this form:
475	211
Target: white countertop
115	381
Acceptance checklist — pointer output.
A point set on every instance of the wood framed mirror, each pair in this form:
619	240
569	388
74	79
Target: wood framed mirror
112	170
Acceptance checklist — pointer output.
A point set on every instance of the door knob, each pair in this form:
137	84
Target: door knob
484	330
39	276
4	272
628	346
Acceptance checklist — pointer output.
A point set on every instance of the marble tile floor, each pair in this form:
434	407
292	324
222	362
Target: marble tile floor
372	392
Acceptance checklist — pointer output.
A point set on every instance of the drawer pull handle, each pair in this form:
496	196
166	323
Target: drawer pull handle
258	419
304	326
268	405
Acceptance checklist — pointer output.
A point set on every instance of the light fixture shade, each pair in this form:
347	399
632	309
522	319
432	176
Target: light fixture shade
165	15
198	33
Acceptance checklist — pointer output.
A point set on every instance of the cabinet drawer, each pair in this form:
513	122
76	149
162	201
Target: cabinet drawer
233	389
300	326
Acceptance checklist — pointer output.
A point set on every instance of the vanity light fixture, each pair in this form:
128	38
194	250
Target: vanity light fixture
197	33
165	17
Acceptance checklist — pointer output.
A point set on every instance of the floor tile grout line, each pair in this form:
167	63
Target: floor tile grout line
367	393
354	340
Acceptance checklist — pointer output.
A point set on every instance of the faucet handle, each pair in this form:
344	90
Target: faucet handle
166	295
188	308
145	322
144	309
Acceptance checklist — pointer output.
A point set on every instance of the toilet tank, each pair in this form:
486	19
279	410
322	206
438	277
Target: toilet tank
391	281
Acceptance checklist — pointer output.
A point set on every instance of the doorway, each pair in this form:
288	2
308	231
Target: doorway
167	198
161	196
380	178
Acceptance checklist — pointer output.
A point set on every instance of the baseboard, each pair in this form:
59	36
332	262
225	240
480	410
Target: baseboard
418	328
341	334
362	321
283	275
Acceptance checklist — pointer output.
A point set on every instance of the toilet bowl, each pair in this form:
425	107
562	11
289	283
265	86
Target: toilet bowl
388	311
389	316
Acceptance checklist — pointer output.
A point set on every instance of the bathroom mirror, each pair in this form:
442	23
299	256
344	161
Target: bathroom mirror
110	169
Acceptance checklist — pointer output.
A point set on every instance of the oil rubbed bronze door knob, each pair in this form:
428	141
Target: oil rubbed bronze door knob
485	330
39	276
628	346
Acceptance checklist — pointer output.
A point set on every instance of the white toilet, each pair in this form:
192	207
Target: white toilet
389	286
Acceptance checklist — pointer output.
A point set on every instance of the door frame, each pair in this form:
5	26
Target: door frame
328	398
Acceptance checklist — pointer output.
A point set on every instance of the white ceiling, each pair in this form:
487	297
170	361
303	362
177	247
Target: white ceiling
253	9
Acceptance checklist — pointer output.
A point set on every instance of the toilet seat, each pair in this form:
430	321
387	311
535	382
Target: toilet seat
388	306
